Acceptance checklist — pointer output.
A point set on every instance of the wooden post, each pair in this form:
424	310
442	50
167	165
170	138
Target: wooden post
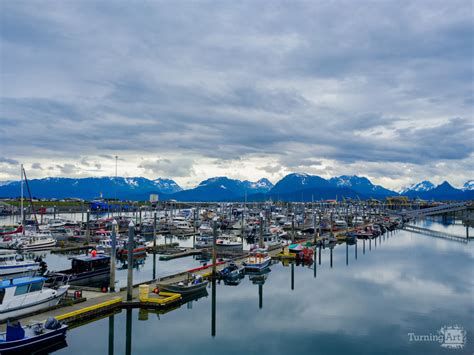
214	251
293	228
154	231
131	239
113	252
88	226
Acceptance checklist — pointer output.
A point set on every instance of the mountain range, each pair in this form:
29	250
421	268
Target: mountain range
292	187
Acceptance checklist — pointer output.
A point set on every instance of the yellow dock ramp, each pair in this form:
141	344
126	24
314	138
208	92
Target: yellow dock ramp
164	298
90	309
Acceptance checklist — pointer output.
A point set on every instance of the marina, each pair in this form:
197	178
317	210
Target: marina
163	288
236	177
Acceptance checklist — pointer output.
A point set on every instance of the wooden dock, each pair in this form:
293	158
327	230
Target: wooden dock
181	254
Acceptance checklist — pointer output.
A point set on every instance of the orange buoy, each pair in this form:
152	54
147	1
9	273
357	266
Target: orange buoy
94	253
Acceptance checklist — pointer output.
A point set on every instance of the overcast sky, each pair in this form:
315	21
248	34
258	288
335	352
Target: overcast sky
248	89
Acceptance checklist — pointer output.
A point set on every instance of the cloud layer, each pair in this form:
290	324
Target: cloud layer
192	89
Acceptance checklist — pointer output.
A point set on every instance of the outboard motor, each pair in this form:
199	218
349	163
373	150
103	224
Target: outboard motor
52	323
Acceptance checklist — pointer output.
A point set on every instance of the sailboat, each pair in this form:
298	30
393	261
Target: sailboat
34	239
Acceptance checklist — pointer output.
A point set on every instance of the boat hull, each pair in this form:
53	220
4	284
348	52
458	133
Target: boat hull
35	307
257	266
27	344
185	290
8	270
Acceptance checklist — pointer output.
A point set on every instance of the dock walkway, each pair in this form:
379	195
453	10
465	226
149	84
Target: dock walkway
436	234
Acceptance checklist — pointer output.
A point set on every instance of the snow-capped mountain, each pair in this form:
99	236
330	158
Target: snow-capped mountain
167	186
298	181
238	187
360	184
419	187
93	187
468	185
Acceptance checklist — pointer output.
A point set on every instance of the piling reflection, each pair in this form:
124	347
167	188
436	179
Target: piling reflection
292	276
259	278
213	308
111	334
128	336
314	264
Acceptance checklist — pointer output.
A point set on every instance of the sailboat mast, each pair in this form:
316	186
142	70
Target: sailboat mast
21	201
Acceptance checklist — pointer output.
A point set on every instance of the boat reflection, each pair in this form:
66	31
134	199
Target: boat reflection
259	278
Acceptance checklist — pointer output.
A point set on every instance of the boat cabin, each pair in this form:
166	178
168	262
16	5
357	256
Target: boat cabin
20	286
89	263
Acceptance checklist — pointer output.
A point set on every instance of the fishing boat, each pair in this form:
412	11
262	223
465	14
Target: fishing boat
196	284
104	246
295	248
340	224
26	295
258	260
12	264
24	339
138	250
36	241
232	272
227	242
204	241
85	270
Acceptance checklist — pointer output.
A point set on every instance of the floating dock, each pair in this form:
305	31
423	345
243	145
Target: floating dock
181	254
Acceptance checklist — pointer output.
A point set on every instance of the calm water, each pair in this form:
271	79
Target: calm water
407	283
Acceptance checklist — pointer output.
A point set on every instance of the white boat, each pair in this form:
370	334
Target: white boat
258	260
181	226
358	221
205	228
204	241
26	295
37	242
10	264
227	242
340	224
104	246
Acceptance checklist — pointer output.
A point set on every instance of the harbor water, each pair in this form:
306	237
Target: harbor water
375	300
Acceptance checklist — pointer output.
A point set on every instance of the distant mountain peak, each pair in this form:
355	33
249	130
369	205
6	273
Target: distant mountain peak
468	185
237	187
423	186
360	184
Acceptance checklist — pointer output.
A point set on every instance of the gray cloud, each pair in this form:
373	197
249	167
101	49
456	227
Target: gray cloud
165	167
227	81
9	161
36	166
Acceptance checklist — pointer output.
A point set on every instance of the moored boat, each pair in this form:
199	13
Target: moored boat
24	339
258	260
12	264
195	285
85	270
26	295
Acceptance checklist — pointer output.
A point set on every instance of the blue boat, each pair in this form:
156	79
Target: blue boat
24	339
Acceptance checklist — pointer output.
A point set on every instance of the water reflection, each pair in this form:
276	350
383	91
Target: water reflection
407	273
128	336
111	334
213	308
